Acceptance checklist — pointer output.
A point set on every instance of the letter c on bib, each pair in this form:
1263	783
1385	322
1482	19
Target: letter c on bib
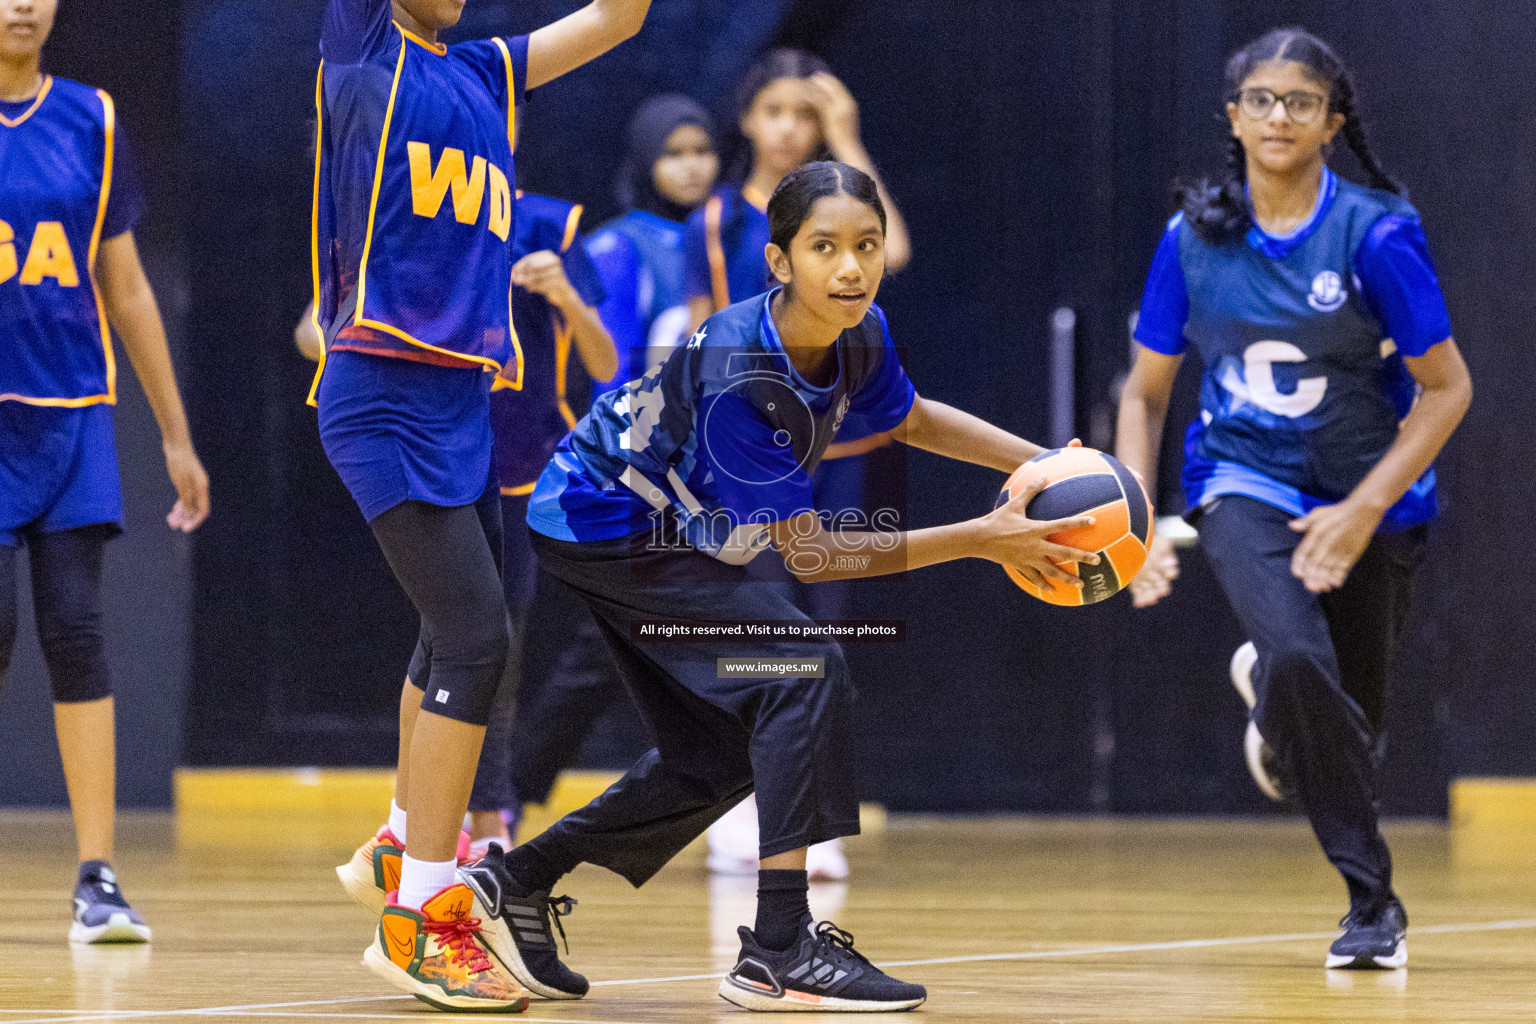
1258	372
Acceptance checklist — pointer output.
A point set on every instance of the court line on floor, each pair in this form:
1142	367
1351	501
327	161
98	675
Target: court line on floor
265	1009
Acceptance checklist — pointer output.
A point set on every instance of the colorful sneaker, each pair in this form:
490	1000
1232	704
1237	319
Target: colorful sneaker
101	912
1374	939
374	870
437	956
517	928
823	973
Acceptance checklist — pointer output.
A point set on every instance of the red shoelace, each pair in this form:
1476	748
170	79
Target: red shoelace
461	940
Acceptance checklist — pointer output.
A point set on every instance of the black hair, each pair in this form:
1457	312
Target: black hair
797	193
1219	210
767	69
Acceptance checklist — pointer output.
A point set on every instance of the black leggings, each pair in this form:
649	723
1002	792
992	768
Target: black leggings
66	590
444	562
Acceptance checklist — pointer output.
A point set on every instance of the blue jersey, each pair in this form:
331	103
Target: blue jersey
640	259
723	247
414	180
723	436
530	422
1303	338
66	187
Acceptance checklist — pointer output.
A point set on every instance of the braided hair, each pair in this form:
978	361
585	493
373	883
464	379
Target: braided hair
1218	210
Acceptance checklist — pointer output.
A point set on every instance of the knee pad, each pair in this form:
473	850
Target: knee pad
465	672
77	664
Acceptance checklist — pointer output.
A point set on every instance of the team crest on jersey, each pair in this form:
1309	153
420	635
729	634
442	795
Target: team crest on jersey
1328	292
842	410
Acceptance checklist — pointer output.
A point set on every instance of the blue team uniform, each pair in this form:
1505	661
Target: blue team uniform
413	216
1303	338
723	247
530	421
650	510
641	261
69	184
723	435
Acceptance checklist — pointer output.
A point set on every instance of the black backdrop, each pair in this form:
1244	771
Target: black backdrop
1031	145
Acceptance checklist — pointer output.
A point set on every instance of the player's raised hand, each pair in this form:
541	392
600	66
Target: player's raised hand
191	483
1010	537
1155	580
1336	537
838	110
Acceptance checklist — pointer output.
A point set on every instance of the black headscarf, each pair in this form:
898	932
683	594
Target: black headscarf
649	130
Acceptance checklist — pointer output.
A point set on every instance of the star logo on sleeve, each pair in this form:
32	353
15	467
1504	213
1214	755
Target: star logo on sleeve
698	338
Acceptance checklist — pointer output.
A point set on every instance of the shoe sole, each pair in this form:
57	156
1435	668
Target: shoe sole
118	929
497	937
1253	756
1399	958
380	964
790	1001
1241	671
360	887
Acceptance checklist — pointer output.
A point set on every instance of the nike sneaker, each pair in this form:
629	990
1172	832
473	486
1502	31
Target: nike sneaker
437	956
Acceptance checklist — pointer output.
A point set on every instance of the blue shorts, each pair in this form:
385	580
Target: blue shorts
398	430
58	470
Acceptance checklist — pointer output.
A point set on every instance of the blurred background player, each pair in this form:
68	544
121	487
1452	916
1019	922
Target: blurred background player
790	108
414	211
69	268
654	506
668	172
1331	383
556	292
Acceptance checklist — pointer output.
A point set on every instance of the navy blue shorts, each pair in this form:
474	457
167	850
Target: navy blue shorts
58	470
398	430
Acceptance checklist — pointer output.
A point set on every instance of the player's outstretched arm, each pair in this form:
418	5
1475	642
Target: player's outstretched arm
1336	535
956	434
1138	438
1005	535
582	36
131	309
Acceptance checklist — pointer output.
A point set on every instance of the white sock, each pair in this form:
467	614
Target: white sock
420	880
397	820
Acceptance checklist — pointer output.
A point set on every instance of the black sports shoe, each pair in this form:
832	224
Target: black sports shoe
821	973
101	912
1374	939
515	926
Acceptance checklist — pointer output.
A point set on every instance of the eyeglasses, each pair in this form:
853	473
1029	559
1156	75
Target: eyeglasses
1300	106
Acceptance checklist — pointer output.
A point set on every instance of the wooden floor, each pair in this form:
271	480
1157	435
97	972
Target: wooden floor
1002	920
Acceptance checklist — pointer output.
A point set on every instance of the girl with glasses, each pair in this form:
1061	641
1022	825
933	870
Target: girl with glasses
1331	384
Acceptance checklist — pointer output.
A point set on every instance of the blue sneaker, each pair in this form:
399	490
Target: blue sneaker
1374	939
101	912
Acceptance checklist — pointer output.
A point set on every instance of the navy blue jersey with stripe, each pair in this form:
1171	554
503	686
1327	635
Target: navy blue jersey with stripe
1302	337
723	247
67	187
722	437
528	423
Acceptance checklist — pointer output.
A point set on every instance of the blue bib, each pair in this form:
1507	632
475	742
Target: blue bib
56	165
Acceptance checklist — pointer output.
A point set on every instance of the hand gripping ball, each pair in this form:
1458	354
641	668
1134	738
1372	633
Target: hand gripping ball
1083	481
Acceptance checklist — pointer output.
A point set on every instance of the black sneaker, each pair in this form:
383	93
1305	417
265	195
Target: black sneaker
515	926
821	973
101	912
1374	939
